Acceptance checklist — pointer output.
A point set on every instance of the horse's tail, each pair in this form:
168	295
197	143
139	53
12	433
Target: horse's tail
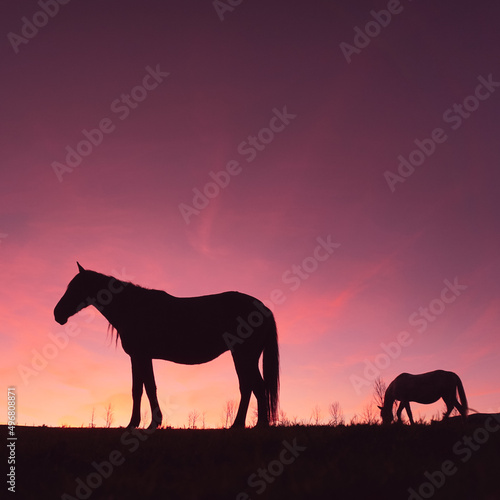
271	370
463	398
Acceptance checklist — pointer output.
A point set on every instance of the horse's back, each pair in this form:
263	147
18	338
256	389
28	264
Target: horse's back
432	375
424	388
220	309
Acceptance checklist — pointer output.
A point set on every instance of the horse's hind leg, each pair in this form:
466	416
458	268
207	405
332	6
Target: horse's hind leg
460	408
247	376
450	404
245	393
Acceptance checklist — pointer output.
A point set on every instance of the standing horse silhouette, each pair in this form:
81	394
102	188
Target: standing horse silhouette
425	388
152	324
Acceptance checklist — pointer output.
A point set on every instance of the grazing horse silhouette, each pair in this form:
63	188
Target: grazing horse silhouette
425	388
155	325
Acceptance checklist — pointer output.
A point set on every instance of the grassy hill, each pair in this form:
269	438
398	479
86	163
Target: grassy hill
300	462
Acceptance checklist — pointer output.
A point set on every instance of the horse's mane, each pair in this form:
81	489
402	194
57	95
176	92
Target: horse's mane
113	332
128	288
128	285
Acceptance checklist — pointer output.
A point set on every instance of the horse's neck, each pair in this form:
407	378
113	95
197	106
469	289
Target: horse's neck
113	309
109	312
389	396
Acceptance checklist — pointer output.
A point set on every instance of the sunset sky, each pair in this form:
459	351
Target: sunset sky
117	120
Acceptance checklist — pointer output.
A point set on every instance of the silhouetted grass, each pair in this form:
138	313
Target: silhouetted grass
345	462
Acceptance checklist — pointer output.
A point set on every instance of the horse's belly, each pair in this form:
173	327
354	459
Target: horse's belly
187	358
188	352
427	400
178	349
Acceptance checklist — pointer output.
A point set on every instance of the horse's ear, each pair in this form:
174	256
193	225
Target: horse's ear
80	268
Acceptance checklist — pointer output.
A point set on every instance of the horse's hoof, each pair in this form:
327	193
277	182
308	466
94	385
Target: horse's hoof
153	426
237	426
263	424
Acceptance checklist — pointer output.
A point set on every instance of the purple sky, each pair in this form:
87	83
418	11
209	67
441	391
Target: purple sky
181	96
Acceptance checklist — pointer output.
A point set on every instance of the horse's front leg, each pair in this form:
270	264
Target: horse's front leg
149	383
408	412
137	383
400	410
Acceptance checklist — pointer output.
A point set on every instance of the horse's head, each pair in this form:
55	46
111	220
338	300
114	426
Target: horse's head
74	298
386	414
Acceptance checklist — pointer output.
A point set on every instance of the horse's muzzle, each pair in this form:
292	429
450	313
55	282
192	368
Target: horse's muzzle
62	320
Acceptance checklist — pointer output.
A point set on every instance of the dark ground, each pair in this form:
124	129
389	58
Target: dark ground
300	462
